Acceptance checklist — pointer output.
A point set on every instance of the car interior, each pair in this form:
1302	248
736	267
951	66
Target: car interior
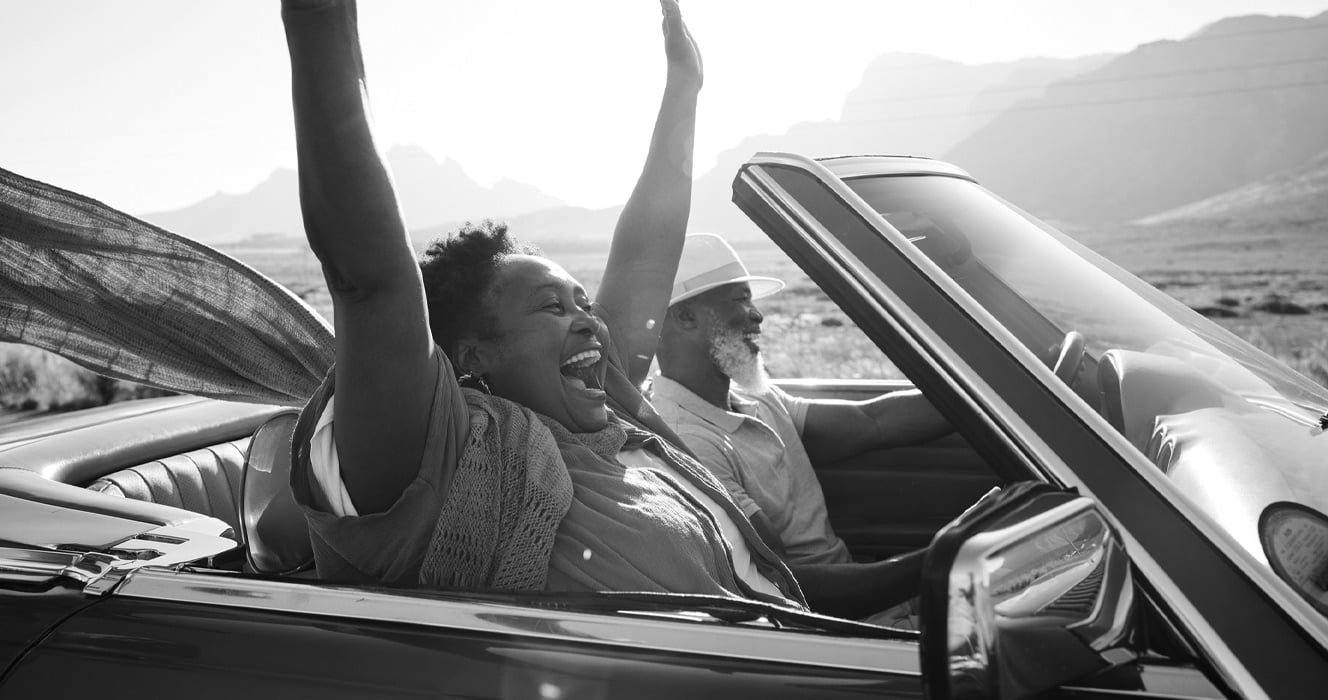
890	501
231	462
182	458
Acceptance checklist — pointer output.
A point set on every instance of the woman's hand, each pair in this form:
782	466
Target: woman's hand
685	65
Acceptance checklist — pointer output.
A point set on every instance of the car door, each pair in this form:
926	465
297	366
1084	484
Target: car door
984	375
889	501
195	633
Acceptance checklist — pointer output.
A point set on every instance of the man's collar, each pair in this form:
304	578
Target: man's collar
742	404
688	400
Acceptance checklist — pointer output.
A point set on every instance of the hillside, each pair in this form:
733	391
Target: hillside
1170	123
273	207
1226	119
907	104
1294	197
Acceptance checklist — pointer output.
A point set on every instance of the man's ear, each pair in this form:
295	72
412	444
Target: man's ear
684	315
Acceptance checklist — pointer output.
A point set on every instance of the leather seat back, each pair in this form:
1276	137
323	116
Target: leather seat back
204	481
274	527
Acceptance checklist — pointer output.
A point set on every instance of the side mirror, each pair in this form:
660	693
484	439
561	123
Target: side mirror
1027	590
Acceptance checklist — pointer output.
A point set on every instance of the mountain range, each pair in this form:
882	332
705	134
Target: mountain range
1226	124
1294	197
1169	123
273	207
906	104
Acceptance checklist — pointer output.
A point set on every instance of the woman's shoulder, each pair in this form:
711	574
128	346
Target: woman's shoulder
489	413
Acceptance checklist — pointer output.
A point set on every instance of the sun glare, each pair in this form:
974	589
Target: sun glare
558	96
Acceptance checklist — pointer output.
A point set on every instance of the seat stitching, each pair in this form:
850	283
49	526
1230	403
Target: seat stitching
228	498
225	472
141	472
179	490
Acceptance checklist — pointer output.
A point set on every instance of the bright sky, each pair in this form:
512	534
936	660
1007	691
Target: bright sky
154	104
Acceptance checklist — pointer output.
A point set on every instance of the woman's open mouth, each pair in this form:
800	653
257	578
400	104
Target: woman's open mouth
581	371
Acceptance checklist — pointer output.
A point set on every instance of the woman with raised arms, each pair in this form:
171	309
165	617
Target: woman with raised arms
482	426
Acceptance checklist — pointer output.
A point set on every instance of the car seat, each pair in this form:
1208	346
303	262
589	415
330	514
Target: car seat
273	525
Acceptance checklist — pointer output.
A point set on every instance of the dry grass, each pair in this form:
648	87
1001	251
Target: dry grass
1299	341
807	336
35	380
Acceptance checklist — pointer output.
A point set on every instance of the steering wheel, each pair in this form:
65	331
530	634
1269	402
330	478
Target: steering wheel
1070	356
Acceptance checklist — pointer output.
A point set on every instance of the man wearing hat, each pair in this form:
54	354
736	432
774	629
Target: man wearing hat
758	440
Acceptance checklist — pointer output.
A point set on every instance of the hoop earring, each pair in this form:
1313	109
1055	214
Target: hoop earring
474	381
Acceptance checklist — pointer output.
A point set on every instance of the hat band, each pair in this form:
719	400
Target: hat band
724	273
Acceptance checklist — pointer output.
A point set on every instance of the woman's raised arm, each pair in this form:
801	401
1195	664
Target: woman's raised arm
385	371
647	241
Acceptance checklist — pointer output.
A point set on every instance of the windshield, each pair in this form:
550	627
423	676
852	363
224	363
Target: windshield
1234	429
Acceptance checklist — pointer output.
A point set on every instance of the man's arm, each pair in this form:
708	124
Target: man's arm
385	373
856	590
837	429
647	241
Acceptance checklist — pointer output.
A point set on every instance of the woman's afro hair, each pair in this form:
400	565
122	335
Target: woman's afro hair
458	272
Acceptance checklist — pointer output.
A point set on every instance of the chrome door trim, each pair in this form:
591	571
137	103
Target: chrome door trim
34	566
850	166
639	632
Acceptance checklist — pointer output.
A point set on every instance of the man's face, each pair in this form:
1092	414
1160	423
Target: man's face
733	327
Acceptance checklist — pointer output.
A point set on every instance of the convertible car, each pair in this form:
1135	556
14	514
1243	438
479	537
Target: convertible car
1132	507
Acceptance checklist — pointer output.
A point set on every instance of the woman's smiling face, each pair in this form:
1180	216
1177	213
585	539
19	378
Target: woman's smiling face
548	355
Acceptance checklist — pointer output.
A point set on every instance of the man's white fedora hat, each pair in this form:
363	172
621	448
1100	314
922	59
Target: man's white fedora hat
708	261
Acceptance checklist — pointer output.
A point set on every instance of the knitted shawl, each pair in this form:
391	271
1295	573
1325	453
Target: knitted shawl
503	505
500	516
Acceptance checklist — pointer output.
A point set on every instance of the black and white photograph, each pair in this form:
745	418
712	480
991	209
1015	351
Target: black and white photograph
664	349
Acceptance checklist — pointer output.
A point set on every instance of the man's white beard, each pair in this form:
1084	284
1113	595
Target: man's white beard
738	360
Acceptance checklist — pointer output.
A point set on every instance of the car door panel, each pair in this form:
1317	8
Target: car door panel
892	500
191	650
889	501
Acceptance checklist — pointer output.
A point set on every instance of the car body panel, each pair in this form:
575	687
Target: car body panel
30	613
171	647
168	629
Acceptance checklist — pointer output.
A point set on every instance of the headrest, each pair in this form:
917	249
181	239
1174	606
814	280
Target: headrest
275	531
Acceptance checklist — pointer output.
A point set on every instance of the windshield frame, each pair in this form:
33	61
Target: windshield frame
843	259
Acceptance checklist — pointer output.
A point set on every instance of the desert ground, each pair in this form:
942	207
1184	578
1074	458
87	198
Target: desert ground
1265	284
